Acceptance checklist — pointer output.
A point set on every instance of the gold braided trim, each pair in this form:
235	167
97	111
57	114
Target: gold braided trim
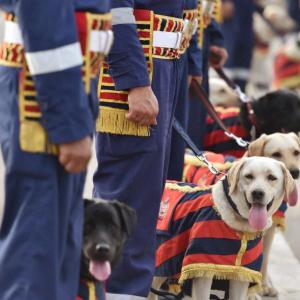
200	30
92	290
114	121
279	222
219	272
93	60
114	103
194	161
242	251
34	138
217	12
185	189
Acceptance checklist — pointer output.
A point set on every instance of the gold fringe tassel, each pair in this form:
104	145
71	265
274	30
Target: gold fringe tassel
114	121
33	138
186	188
219	272
193	160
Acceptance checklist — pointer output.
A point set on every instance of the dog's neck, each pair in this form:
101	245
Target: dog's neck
229	213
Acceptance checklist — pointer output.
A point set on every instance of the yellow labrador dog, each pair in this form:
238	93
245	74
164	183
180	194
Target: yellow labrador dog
241	205
284	147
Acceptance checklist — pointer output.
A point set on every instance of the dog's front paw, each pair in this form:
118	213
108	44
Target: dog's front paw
268	291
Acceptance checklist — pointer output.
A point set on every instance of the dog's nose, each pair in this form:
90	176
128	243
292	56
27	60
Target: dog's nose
102	249
258	195
295	173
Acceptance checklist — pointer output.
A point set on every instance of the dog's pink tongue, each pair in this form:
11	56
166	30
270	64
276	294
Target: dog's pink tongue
258	217
293	197
100	270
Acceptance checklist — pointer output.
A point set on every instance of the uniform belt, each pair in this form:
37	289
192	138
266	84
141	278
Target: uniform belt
167	39
99	40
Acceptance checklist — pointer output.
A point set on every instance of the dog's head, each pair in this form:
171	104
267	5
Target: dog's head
257	186
221	94
284	147
277	111
107	224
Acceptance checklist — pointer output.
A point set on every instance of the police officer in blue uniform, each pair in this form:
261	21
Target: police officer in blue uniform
138	91
239	41
46	120
191	66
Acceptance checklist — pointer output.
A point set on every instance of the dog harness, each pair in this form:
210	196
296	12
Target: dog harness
215	140
193	240
90	290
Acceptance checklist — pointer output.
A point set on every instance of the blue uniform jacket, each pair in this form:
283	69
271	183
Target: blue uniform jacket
47	25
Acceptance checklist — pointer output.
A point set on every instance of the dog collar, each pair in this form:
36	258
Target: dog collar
229	199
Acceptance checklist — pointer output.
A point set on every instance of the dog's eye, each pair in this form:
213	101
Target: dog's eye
276	154
271	177
249	176
296	152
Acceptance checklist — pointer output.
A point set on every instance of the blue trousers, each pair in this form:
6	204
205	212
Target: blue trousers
197	112
133	170
181	113
41	234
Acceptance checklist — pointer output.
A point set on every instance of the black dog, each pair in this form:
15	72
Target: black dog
107	225
277	111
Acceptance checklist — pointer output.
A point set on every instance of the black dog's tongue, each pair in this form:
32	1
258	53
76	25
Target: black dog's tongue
100	270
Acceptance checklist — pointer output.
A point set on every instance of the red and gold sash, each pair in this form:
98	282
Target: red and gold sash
33	136
114	103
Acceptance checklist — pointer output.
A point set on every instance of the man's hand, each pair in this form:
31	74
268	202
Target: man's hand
218	56
143	106
228	10
75	156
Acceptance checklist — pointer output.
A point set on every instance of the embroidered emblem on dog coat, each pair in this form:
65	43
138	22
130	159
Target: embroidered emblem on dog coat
193	240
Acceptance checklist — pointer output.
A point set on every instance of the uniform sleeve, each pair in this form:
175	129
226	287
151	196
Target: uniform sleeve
126	59
294	11
54	59
194	55
215	34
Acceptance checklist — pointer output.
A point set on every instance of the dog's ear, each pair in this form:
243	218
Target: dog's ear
127	215
234	173
256	148
289	183
296	137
